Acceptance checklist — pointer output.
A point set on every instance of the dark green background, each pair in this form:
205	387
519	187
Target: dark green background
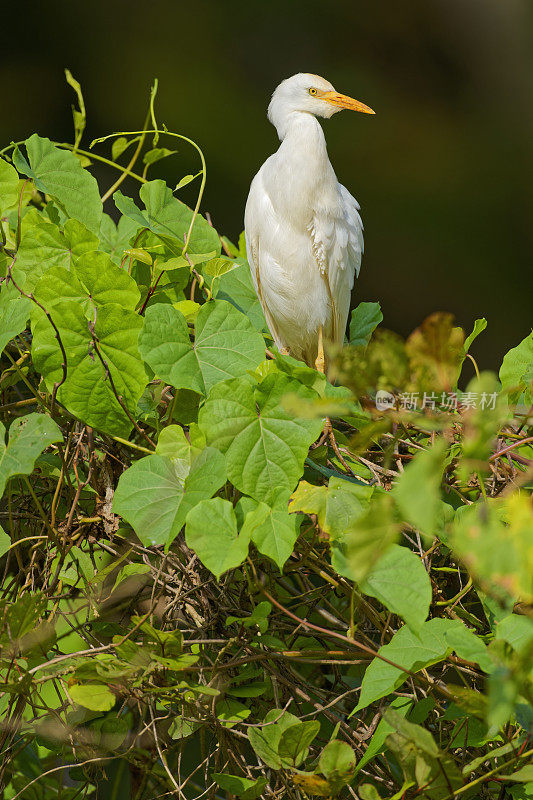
443	172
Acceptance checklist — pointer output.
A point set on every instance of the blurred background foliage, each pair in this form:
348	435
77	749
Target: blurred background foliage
443	172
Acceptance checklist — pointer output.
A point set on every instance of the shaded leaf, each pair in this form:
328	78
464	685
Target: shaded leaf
437	638
94	696
422	509
295	740
399	580
28	437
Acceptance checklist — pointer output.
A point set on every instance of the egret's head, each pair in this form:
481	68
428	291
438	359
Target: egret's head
312	94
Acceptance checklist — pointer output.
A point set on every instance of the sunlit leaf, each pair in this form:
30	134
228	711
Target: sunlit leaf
337	505
87	391
58	173
225	345
364	320
265	447
9	185
211	531
155	499
516	371
169	217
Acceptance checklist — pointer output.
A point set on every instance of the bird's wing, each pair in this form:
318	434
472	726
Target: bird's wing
338	246
258	212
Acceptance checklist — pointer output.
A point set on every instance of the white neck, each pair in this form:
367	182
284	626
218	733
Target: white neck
298	123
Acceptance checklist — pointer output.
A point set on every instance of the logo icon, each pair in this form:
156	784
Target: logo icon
384	400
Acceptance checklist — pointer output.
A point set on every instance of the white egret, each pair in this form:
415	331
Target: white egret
304	235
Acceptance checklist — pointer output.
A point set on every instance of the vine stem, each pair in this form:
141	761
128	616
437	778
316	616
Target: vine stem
87	153
484	778
160	131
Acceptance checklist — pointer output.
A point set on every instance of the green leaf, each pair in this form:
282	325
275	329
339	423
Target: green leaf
173	443
295	740
399	580
368	537
169	217
265	739
120	145
15	312
9	185
498	554
184	181
241	787
237	287
231	712
211	531
259	617
5	542
217	267
516	372
58	173
156	154
155	499
23	616
420	759
517	631
524	774
502	697
115	239
336	505
377	743
521	791
422	509
87	393
79	116
181	727
337	761
365	319
435	641
479	327
274	531
28	437
94	696
367	791
93	280
226	345
43	246
265	447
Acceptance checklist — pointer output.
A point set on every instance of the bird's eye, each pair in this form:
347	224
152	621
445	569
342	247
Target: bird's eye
313	91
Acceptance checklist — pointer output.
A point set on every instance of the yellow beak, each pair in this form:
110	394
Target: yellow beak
343	101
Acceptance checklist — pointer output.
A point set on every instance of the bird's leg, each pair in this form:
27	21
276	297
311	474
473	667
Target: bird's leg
320	362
